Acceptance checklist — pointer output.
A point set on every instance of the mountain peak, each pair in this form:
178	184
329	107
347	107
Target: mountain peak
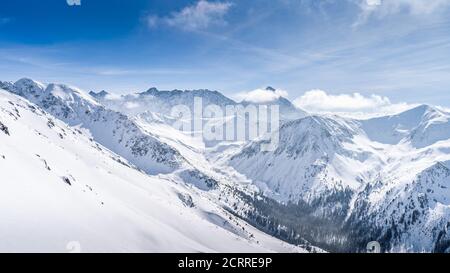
29	84
421	111
423	108
270	88
151	91
69	93
100	94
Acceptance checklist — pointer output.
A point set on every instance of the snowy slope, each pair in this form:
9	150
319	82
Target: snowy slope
412	214
112	129
62	191
315	154
321	151
421	126
365	174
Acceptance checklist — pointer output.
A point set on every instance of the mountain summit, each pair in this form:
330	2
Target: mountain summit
270	88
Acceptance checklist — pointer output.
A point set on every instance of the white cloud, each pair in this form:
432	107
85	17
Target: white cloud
153	20
131	105
381	8
199	16
261	95
352	105
113	97
373	2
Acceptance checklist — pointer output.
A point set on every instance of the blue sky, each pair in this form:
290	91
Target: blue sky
396	49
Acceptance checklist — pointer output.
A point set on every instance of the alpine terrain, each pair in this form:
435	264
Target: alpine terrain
111	173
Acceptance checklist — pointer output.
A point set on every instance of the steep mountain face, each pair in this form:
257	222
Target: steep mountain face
112	129
410	214
379	179
421	126
62	191
311	158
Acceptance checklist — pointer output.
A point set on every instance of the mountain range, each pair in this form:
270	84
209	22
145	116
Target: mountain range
111	172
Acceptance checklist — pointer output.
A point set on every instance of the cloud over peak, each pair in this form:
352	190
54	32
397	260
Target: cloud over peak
352	105
199	16
261	95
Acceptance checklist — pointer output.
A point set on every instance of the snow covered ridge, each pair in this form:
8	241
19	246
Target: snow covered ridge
112	129
207	114
62	191
163	101
383	179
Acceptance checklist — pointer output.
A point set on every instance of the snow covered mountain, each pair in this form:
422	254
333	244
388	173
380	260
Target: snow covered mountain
382	179
160	102
333	182
311	157
63	191
154	105
114	130
421	126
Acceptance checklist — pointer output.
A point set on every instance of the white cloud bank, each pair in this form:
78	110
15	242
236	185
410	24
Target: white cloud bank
381	8
261	95
352	105
199	16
